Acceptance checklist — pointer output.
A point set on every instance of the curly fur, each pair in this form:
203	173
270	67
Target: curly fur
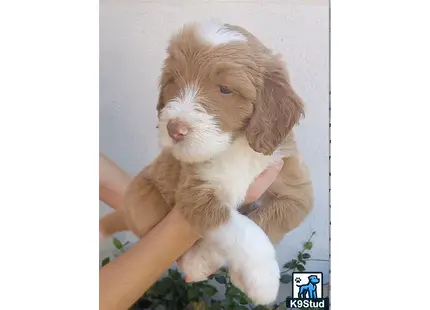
233	137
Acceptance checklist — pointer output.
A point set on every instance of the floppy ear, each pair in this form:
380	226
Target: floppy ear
160	103
161	85
277	110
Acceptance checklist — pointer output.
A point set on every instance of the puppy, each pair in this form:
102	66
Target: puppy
226	110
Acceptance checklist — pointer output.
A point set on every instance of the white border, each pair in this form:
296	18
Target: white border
379	152
49	138
49	158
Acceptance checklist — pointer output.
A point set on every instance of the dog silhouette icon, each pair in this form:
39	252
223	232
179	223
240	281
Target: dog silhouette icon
309	290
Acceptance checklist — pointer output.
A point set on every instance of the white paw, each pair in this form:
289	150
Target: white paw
258	280
201	261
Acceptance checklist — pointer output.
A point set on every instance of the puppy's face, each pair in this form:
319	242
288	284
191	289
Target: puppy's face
218	83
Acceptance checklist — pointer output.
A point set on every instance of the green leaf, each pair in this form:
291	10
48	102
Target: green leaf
286	278
308	245
180	303
155	304
300	257
170	304
174	274
209	291
200	305
283	306
193	293
182	293
216	305
300	268
243	300
239	307
117	244
220	279
306	256
232	290
229	303
291	264
164	286
105	261
143	303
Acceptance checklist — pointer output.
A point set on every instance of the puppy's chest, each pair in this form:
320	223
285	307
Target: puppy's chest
231	173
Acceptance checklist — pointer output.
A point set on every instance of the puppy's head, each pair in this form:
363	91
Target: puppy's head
314	279
219	83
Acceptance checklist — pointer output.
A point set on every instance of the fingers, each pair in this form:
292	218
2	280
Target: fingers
263	181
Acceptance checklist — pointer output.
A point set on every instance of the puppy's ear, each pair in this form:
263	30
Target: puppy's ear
161	85
164	80
277	110
160	103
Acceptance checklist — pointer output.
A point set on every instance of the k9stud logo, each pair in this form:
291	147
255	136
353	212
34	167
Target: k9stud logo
307	291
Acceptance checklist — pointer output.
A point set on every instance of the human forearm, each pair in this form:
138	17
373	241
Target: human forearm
113	182
126	278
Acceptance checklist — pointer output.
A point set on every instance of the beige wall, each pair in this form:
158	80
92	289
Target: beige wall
133	37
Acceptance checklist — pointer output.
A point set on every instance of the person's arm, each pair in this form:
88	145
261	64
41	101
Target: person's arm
112	182
125	279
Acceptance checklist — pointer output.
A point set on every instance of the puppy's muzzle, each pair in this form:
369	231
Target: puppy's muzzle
177	129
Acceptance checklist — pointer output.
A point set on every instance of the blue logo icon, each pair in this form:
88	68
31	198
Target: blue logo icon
308	290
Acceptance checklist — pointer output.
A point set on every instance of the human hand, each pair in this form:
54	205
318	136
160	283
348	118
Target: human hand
263	182
113	183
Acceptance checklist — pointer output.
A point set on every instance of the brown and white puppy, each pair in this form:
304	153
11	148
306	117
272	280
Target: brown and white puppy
226	111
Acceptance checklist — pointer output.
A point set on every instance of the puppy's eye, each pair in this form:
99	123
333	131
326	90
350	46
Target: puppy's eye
224	90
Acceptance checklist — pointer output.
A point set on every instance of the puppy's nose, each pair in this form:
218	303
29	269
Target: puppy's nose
177	129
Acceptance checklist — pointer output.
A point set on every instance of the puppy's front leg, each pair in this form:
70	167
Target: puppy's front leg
202	260
251	258
228	237
205	212
144	207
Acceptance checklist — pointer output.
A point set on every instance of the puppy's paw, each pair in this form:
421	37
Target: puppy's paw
201	261
259	280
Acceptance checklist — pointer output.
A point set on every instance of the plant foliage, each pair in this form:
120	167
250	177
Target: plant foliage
171	292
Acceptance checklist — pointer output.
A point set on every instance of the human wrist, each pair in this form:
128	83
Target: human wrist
113	182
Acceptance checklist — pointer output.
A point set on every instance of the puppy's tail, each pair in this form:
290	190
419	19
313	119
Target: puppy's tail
111	224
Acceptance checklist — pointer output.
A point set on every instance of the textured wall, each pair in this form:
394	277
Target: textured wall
133	37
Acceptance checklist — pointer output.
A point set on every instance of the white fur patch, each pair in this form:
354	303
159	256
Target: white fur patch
216	33
204	140
244	246
232	172
250	255
248	252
